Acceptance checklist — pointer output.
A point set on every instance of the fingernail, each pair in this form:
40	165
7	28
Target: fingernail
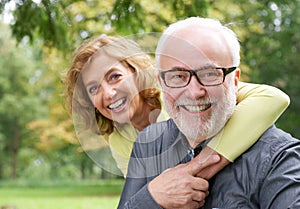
216	158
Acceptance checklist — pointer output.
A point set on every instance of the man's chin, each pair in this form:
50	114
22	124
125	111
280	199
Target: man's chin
192	129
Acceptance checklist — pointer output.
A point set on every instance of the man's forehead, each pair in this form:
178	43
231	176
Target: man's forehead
199	47
187	62
199	38
190	30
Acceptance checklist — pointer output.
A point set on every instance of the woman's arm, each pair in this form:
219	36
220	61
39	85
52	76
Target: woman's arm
259	106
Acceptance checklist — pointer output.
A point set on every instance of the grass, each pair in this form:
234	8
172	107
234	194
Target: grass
61	202
61	194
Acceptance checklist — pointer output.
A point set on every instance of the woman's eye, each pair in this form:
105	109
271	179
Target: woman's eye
114	77
93	90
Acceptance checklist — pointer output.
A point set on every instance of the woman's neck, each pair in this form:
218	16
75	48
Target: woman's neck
145	118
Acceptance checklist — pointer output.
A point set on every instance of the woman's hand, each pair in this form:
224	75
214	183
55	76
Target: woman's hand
212	169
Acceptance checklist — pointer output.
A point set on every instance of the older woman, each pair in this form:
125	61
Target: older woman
112	90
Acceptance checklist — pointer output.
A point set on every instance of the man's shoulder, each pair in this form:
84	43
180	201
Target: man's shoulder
156	149
152	140
272	163
157	131
274	132
274	146
274	141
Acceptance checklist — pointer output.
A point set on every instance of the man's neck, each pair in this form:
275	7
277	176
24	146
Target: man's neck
194	143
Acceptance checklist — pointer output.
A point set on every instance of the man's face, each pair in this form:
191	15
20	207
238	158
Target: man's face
198	111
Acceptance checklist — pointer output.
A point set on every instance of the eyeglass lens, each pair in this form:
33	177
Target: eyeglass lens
206	77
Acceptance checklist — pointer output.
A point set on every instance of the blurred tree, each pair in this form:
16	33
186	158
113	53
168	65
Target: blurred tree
19	99
55	133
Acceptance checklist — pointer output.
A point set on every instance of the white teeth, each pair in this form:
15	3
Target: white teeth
194	108
117	104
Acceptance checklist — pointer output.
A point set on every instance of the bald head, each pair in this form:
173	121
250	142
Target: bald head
204	40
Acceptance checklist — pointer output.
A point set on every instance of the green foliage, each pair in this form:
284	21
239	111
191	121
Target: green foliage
62	23
127	15
183	8
46	19
2	5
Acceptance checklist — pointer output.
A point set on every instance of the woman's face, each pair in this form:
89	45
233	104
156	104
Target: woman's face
111	86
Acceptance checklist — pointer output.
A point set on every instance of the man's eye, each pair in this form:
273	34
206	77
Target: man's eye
178	76
209	74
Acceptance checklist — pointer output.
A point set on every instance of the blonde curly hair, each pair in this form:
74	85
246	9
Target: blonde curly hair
124	50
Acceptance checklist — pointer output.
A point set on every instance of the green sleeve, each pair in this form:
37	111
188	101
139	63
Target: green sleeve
259	106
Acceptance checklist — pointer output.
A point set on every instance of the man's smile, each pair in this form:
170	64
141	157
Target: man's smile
196	108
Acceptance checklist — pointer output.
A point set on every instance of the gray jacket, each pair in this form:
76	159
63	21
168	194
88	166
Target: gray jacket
266	176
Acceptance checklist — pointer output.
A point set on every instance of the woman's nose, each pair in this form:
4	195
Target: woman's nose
109	91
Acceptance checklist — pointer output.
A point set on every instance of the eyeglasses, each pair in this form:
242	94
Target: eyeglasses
208	76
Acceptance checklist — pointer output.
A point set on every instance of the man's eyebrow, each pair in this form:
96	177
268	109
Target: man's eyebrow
178	68
207	66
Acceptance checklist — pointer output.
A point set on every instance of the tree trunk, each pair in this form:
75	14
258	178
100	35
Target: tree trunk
1	170
15	151
82	169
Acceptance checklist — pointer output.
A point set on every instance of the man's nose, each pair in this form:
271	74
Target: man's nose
196	89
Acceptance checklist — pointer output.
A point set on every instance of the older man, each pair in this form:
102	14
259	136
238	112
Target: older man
198	62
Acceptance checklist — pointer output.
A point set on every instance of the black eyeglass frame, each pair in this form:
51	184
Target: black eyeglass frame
226	71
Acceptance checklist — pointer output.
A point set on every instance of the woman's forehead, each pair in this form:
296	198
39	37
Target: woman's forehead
99	65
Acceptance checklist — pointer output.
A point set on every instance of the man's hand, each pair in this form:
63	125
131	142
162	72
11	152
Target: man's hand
179	187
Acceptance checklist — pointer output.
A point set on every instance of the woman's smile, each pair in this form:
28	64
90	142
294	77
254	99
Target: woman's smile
118	105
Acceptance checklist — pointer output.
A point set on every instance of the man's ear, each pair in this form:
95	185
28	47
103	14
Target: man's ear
237	76
159	79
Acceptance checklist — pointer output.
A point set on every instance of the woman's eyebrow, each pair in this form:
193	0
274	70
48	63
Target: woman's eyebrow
90	83
105	76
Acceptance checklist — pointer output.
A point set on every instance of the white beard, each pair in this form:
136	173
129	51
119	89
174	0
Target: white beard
199	128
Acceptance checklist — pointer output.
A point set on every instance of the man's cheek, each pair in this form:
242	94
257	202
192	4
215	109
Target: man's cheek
169	97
